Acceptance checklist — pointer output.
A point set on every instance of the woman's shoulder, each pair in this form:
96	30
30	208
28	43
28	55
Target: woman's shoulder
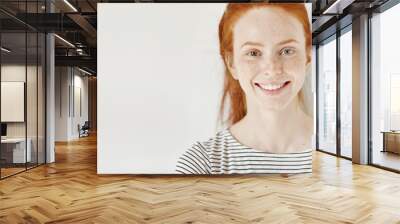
207	145
200	156
217	140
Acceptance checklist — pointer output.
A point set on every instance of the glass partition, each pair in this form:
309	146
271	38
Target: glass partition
327	96
22	77
346	93
385	89
41	107
32	95
13	109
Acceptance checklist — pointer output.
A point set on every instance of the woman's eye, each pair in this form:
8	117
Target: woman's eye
288	51
253	53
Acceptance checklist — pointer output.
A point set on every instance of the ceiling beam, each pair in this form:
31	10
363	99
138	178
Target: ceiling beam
84	24
84	61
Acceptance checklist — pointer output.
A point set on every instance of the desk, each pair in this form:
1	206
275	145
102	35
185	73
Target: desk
391	141
16	151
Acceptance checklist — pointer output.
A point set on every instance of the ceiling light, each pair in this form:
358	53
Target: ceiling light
5	50
338	6
70	5
84	71
329	9
65	41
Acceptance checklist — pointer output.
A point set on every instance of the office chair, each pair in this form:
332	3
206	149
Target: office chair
84	130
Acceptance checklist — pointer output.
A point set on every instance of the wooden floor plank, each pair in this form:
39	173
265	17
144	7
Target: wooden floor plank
70	191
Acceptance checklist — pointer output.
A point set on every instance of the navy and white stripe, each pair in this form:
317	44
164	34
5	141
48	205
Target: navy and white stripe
223	154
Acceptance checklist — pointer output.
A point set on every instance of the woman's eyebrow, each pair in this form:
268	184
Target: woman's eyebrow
261	45
287	41
251	43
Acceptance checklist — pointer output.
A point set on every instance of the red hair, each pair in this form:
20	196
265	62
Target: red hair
231	15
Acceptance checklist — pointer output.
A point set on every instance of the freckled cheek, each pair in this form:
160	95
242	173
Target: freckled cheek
249	69
294	66
297	70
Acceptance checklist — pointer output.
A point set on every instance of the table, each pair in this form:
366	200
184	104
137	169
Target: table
391	141
16	153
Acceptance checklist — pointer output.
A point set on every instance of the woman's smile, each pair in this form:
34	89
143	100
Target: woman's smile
273	88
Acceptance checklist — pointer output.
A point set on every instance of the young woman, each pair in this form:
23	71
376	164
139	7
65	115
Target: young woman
266	49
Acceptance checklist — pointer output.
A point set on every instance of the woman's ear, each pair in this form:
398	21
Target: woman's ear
230	65
308	66
309	57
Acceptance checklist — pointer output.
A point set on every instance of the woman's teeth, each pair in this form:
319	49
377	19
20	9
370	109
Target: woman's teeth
271	86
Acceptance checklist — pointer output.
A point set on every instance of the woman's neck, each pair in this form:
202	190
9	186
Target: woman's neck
282	131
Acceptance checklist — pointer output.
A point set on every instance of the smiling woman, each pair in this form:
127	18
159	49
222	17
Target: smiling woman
266	49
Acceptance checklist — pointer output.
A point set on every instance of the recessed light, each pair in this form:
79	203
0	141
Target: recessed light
70	5
5	50
64	40
84	71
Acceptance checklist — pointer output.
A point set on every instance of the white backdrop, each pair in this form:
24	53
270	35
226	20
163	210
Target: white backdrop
159	83
12	101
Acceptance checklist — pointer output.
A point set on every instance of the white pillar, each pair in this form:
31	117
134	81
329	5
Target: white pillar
360	90
50	92
50	110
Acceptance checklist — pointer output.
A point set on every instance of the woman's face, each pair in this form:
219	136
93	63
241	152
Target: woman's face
269	57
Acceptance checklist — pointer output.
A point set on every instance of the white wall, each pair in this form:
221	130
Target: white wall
68	80
12	73
12	101
61	103
80	84
159	83
15	73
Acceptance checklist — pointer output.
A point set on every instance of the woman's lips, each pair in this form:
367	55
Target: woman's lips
273	88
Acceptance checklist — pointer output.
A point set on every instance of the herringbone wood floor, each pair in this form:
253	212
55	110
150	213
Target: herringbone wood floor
70	191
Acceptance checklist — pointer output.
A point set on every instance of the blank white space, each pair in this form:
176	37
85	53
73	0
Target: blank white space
159	83
12	101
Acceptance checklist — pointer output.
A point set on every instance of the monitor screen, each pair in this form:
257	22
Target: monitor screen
3	129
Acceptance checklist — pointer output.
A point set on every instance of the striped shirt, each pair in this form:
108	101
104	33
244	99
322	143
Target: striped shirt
223	154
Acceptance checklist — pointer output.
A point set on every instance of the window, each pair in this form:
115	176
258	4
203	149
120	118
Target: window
385	89
346	93
327	96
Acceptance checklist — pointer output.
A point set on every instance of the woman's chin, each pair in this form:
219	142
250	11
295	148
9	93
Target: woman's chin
274	106
275	103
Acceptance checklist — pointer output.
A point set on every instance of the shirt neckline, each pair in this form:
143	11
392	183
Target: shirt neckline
258	150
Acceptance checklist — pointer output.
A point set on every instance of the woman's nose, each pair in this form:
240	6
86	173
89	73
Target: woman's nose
271	66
